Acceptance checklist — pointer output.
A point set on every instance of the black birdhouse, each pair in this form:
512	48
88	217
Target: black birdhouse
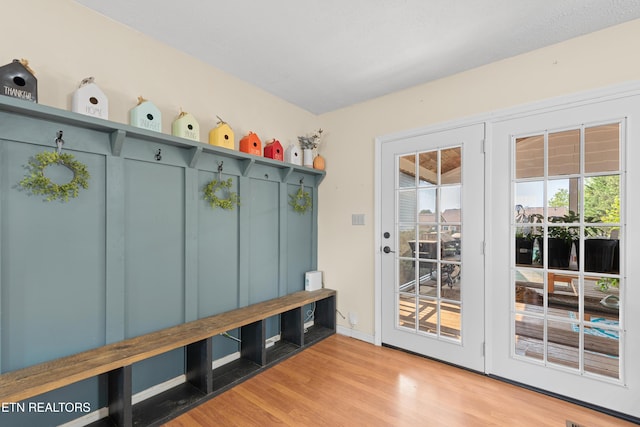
17	80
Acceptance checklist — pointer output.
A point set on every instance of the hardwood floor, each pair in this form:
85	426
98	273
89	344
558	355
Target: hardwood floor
342	381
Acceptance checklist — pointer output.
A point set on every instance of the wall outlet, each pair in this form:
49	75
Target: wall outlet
353	318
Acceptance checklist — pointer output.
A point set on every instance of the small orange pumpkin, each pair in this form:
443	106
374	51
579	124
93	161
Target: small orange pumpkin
318	162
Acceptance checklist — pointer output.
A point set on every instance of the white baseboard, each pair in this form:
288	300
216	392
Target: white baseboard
269	342
157	389
354	333
226	359
89	418
308	324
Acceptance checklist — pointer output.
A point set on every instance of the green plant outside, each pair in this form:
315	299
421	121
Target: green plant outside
604	283
568	234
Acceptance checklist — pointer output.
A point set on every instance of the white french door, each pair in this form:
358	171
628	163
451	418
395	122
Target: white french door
563	299
432	226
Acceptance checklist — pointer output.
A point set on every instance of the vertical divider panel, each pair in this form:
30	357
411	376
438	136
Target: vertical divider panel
244	189
191	244
292	326
325	314
115	244
199	361
253	342
282	257
119	395
314	232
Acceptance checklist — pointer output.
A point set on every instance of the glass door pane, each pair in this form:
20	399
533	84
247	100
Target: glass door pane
566	273
429	233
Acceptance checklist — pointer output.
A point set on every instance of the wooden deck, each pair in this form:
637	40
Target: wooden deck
563	355
563	340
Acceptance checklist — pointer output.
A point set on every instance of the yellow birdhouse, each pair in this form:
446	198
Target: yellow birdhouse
186	126
222	135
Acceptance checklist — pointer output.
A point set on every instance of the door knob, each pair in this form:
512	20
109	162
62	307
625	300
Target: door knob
387	250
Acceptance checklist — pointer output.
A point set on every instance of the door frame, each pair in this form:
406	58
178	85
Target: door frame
488	119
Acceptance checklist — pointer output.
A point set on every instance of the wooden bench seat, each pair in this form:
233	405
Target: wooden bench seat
194	336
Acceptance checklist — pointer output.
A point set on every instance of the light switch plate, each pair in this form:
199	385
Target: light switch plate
357	219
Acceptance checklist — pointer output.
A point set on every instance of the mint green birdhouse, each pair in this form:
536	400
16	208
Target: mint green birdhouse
186	126
146	115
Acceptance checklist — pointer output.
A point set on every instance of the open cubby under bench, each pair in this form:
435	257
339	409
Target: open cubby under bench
202	381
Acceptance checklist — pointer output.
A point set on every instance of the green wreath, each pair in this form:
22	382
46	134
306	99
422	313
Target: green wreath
38	183
301	201
212	188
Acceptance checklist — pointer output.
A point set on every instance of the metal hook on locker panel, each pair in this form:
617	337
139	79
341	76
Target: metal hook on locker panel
302	184
220	171
59	141
158	155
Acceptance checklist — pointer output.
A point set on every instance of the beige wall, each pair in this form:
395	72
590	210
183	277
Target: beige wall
66	42
346	252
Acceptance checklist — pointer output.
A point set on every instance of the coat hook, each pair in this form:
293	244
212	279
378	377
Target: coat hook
59	141
220	170
158	155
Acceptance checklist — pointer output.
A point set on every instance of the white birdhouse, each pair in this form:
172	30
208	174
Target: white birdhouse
146	115
186	126
89	100
293	155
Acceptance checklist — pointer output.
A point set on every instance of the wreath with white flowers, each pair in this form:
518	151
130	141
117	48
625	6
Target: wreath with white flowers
212	188
301	201
37	183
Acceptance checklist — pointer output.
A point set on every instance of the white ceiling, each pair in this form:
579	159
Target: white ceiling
326	54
